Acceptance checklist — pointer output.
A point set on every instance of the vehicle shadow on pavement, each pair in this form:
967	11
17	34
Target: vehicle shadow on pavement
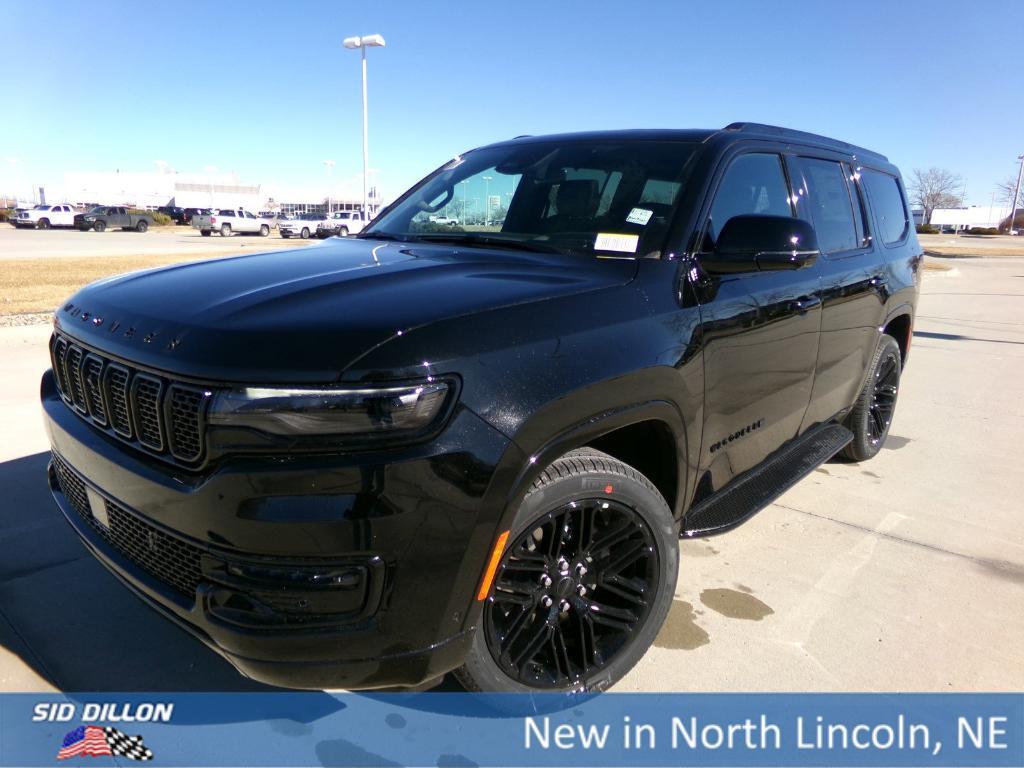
71	621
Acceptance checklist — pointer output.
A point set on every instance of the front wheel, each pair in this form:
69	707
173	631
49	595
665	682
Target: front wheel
584	584
142	226
304	234
43	224
99	226
205	232
872	414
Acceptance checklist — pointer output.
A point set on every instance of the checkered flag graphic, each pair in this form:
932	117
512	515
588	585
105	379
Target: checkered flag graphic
127	746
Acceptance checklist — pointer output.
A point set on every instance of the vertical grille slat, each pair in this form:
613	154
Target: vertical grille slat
115	383
58	352
73	371
92	372
185	412
155	414
146	392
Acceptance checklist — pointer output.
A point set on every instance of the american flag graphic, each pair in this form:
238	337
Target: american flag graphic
94	741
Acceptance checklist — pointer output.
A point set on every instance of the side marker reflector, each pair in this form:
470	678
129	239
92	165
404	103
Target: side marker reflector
492	566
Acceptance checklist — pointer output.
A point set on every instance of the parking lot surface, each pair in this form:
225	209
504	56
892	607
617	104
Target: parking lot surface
902	573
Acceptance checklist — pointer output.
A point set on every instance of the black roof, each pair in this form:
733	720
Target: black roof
698	135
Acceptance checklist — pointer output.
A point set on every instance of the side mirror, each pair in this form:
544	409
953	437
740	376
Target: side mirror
765	243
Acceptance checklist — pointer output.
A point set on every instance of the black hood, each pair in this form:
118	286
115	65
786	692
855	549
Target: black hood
302	315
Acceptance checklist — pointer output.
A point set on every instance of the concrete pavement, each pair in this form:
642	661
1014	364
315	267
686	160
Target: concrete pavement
902	573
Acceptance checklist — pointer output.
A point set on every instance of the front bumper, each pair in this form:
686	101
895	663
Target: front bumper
404	532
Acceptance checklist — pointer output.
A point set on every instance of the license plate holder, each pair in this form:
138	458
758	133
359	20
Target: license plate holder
98	507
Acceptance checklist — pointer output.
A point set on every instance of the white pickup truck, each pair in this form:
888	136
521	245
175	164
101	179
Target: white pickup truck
227	221
46	216
344	223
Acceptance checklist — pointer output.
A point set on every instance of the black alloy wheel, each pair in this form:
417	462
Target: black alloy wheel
873	412
571	592
99	226
583	585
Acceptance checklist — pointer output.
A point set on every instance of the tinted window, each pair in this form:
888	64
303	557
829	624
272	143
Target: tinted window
753	184
887	204
828	197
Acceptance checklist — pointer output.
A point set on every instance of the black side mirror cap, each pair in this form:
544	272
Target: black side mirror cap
762	243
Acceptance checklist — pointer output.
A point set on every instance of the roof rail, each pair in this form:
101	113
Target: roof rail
523	136
775	130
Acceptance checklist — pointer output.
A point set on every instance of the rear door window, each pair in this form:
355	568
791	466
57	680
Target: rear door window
888	206
828	197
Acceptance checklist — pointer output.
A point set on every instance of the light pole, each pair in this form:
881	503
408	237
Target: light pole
362	43
1016	192
329	164
465	186
487	199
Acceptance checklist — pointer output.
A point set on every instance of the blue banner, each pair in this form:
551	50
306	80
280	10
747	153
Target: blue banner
456	730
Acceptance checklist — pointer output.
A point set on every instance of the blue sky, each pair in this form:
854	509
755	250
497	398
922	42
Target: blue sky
266	90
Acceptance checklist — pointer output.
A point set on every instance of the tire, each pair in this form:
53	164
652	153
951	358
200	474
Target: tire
225	230
205	232
304	234
43	224
264	231
99	226
142	226
555	571
872	414
343	232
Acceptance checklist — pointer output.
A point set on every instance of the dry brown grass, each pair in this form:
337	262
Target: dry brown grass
41	285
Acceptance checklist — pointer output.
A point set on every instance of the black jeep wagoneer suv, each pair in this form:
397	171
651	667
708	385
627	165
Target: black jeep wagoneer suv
473	445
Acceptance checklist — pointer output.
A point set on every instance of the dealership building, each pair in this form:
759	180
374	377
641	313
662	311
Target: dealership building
975	216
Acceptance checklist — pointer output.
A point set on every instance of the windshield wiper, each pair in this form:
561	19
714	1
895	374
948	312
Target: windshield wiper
382	236
496	242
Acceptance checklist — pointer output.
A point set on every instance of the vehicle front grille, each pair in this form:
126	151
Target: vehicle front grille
172	560
161	416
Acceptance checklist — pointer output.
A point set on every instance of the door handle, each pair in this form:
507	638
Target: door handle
879	282
803	304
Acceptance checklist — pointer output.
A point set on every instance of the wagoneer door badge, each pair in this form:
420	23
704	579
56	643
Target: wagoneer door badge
737	435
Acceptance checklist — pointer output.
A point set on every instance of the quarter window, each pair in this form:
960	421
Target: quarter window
887	204
828	197
753	184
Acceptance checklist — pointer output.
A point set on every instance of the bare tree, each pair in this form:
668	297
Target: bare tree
934	188
1004	192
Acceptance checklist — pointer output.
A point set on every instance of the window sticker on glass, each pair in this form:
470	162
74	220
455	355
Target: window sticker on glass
639	216
619	243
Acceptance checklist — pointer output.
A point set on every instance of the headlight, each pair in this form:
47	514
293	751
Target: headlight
90	218
297	412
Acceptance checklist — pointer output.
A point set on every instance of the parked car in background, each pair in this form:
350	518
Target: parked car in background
303	225
176	214
228	221
345	223
446	221
46	216
104	217
190	212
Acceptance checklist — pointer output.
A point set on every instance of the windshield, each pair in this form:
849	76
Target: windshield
578	196
42	208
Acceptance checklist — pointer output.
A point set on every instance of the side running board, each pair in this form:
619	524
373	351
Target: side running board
758	487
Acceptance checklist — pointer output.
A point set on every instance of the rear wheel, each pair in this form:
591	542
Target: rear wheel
584	584
142	226
225	230
99	226
872	414
264	231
